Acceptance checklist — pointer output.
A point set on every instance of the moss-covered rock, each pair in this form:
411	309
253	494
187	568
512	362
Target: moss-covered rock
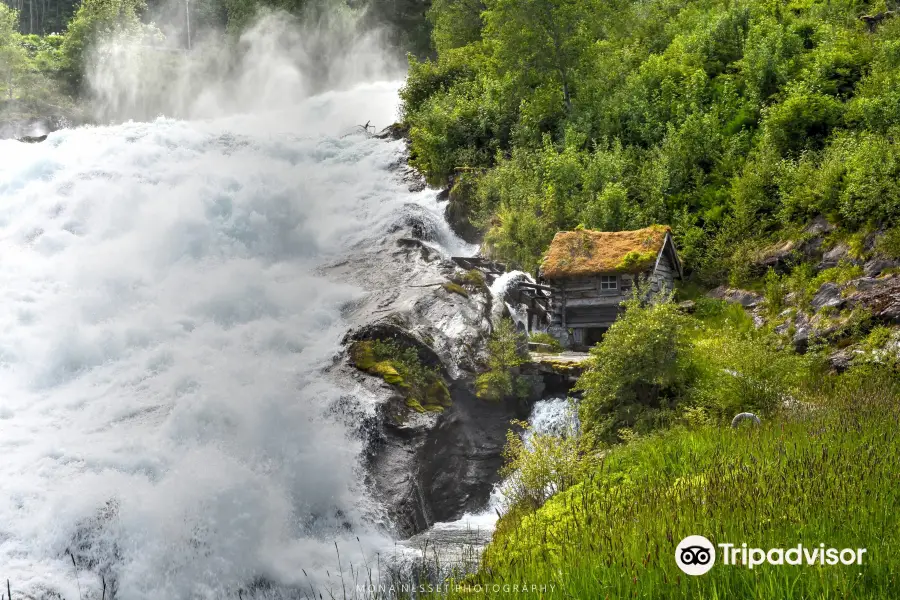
415	405
455	288
402	368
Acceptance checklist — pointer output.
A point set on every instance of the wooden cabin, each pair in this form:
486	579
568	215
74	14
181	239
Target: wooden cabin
590	273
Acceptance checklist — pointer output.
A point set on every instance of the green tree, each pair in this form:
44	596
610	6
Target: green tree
638	373
456	23
505	355
97	20
13	59
540	41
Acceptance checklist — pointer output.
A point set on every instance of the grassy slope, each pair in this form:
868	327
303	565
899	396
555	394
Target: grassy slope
827	476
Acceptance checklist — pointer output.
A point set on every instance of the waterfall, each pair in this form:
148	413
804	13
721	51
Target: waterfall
164	416
500	293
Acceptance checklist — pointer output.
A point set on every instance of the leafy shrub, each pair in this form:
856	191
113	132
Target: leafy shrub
841	274
505	355
802	122
545	338
877	338
638	372
888	243
774	292
741	372
538	466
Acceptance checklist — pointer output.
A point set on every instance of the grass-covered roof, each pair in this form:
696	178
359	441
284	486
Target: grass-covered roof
584	252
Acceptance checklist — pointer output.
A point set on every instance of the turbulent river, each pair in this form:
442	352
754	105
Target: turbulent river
163	328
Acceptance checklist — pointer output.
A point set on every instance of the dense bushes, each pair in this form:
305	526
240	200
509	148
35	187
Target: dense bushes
729	121
638	373
657	367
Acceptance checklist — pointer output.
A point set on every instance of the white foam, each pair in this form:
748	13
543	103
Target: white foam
162	335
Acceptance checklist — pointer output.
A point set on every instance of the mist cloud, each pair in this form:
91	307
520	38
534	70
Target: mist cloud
276	63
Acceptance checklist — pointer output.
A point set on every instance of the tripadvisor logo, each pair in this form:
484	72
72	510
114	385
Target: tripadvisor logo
696	555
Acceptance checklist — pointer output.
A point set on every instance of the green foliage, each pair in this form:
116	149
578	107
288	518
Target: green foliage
877	338
774	292
13	58
802	122
542	337
505	355
400	366
888	243
538	466
656	367
742	372
455	23
841	274
95	21
639	371
728	122
802	478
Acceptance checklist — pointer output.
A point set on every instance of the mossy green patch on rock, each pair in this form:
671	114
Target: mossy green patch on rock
415	405
437	393
402	368
364	357
455	288
562	367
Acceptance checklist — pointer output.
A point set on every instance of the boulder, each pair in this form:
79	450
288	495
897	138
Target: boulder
819	227
396	131
838	254
878	265
810	248
778	257
32	139
828	295
802	333
745	298
881	297
841	360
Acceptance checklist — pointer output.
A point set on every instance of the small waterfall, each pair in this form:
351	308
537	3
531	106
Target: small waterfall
455	546
500	292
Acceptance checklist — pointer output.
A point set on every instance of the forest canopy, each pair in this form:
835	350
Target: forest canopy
735	122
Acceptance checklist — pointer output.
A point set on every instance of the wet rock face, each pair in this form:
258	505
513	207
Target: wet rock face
459	196
437	467
424	467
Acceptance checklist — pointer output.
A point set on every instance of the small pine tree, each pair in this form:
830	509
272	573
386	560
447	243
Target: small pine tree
505	354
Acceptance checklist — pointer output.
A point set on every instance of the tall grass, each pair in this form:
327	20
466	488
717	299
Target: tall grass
826	475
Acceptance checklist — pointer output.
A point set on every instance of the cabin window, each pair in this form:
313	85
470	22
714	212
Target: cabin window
609	283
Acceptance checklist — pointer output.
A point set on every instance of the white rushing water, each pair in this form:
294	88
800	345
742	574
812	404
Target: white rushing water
162	332
499	289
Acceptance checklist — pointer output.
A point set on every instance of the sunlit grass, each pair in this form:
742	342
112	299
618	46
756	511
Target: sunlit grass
829	475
